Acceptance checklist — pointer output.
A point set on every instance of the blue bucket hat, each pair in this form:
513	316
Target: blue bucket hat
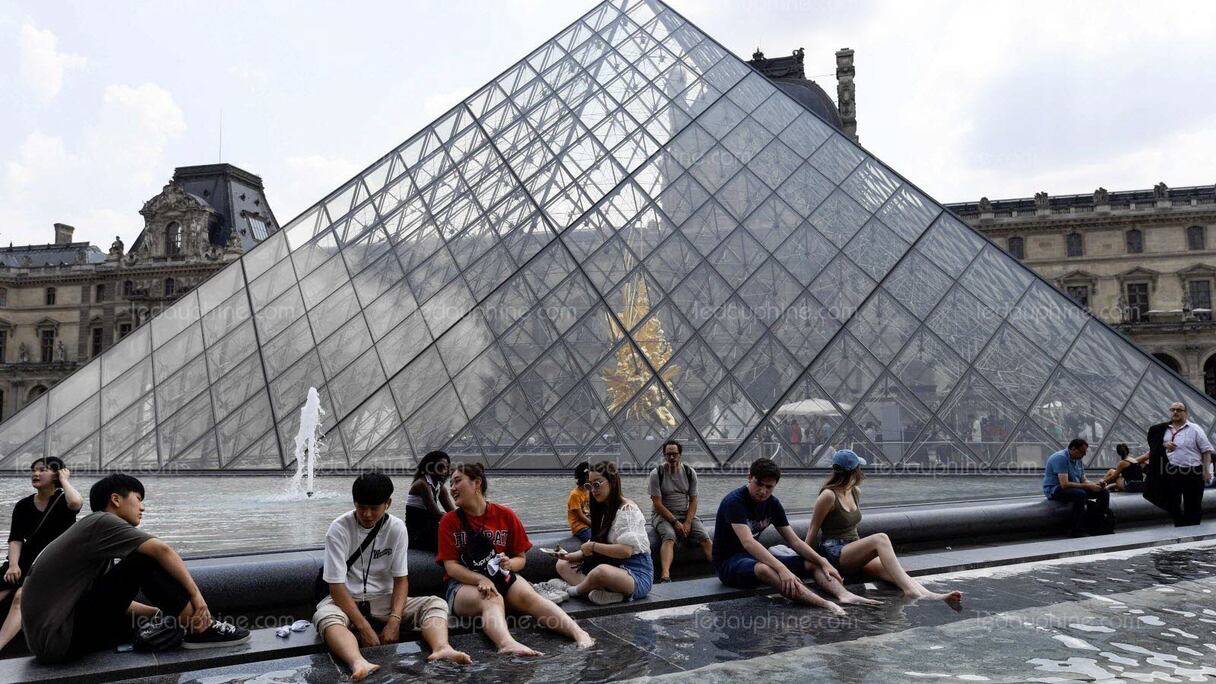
847	460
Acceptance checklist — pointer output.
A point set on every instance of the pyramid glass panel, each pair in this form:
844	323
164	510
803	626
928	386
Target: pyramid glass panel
629	234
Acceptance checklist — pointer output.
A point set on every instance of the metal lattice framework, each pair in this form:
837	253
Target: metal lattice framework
629	235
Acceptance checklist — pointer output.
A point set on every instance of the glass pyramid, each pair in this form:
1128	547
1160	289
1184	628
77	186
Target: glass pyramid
629	235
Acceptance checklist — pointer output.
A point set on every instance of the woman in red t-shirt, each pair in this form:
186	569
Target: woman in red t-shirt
482	547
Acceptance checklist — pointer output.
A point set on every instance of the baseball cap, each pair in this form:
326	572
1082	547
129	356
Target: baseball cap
846	459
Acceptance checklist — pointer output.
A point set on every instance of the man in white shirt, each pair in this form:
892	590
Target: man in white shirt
376	585
1189	463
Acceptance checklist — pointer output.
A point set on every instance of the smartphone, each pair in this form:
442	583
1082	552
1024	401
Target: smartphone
124	648
551	552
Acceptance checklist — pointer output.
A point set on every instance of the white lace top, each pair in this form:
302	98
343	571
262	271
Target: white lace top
629	527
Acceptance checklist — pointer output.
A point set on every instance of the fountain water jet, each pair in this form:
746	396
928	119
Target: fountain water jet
308	445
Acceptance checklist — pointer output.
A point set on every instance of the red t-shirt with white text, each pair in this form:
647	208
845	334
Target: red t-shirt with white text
499	524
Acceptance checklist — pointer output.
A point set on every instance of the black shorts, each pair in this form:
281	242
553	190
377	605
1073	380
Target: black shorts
1135	486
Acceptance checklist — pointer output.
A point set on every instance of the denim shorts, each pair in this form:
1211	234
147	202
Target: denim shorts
640	567
831	547
583	535
739	571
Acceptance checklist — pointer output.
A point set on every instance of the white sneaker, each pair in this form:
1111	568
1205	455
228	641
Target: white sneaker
555	584
554	596
603	597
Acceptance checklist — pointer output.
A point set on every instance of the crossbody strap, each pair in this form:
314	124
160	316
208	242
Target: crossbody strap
46	513
366	542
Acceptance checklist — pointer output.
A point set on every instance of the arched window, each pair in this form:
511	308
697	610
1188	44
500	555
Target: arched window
1196	238
50	296
128	288
1074	245
1017	248
1135	241
170	285
1169	361
35	392
173	239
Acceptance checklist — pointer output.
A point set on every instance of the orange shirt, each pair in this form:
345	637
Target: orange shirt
579	500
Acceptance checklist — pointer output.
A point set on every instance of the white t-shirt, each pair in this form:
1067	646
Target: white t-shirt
629	528
382	560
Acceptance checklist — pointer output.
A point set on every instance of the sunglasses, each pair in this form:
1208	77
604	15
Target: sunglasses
594	486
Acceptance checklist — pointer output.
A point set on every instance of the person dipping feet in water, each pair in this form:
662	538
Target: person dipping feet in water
482	547
615	564
838	513
374	587
741	561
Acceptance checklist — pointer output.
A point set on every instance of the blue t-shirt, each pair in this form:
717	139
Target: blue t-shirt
739	507
1061	462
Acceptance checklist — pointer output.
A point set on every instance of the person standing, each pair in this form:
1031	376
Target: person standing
1064	480
673	494
1187	467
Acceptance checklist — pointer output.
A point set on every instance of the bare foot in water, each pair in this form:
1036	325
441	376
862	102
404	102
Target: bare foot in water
449	653
518	649
950	597
361	669
584	640
855	600
836	610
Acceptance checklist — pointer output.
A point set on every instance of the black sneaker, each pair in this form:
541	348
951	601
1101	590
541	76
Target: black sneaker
218	635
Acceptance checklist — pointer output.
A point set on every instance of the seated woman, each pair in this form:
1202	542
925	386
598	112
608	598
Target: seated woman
428	500
1128	474
482	547
616	563
837	514
38	520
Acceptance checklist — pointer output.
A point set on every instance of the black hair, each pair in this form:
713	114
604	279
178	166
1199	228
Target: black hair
765	469
580	473
679	447
114	483
372	488
52	463
473	471
427	464
604	514
1122	450
1077	444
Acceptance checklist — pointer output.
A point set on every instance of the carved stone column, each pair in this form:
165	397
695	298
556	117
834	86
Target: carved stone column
846	92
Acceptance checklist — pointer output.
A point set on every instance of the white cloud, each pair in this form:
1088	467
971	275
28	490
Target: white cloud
42	64
132	130
39	159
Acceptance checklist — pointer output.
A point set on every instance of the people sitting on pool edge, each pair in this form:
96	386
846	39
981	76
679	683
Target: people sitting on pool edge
1128	474
367	575
578	511
77	599
482	547
673	494
1064	480
741	561
38	520
837	514
427	501
616	562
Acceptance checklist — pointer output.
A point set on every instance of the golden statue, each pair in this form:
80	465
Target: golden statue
630	373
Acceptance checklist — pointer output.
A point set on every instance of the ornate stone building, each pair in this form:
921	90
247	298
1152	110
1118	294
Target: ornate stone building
789	75
1142	260
62	304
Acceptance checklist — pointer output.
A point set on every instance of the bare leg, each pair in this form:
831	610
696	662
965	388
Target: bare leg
838	590
666	552
860	556
568	573
435	635
607	577
804	595
12	623
494	618
142	610
707	546
524	599
343	644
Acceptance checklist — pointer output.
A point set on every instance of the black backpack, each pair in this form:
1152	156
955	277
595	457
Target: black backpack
1100	523
662	467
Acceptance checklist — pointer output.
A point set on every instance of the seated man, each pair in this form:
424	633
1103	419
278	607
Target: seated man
740	559
79	596
1064	480
375	584
673	494
1128	474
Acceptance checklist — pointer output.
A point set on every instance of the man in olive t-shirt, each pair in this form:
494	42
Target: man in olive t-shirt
79	595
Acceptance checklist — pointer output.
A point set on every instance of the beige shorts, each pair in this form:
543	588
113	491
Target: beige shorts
418	609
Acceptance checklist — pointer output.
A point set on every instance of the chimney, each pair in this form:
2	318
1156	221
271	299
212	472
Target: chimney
63	233
846	92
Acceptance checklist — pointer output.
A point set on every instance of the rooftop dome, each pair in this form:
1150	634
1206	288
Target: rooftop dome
787	74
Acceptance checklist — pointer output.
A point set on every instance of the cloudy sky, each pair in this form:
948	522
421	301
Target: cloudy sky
103	99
